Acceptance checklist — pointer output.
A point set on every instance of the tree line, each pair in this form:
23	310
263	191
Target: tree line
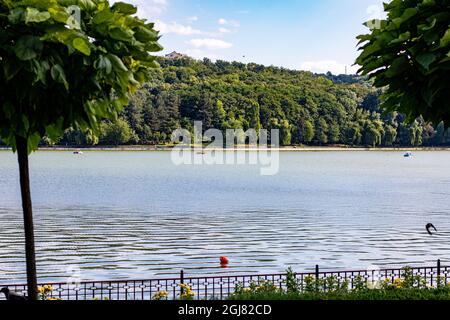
308	109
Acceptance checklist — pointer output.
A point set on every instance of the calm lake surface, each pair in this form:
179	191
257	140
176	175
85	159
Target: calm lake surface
124	215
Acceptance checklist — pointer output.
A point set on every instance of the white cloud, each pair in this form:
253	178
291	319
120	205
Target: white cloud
224	30
225	22
192	19
200	54
175	28
196	53
325	66
212	44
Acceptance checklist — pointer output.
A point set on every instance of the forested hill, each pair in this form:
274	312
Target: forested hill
308	109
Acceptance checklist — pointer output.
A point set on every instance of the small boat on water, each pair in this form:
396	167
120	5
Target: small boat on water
408	154
78	152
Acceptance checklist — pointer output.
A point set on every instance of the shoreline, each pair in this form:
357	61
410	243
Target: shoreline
254	149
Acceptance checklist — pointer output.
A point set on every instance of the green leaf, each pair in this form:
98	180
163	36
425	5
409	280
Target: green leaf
54	131
16	15
121	33
87	4
103	63
427	3
33	142
103	16
124	8
59	75
40	68
28	47
44	53
402	38
34	15
445	40
145	35
425	27
398	66
154	47
117	63
59	14
407	14
445	59
426	59
82	45
60	34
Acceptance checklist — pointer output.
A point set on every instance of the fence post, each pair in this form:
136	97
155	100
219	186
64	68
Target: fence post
438	273
181	281
317	277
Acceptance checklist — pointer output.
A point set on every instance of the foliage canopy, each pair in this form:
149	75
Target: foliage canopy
306	108
68	63
409	52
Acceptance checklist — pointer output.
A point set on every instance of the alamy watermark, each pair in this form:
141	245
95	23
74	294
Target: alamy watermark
74	20
74	279
228	147
375	16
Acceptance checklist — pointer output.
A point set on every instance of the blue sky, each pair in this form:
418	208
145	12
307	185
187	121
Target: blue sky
315	35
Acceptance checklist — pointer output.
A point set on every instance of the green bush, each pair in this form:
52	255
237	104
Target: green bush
368	294
406	287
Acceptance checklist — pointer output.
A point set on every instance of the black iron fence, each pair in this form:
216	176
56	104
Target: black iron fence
220	287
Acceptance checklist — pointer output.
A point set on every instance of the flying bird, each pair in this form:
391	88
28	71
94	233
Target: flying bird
429	227
12	296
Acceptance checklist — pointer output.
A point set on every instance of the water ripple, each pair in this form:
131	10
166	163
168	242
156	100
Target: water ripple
119	223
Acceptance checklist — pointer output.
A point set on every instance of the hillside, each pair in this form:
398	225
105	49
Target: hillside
308	109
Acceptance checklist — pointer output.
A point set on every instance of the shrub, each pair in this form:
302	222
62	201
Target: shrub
406	287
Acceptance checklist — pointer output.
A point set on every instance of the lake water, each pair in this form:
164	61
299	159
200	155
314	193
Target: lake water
124	215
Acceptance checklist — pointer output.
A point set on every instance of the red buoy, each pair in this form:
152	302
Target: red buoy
224	261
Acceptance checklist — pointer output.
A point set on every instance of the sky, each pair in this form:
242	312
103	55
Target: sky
313	35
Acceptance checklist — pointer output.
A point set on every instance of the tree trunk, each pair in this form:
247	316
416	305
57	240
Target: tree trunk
22	153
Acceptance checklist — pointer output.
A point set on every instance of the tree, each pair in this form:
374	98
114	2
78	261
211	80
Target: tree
306	131
79	138
285	133
371	102
253	99
334	135
372	136
117	132
390	134
408	54
415	132
61	70
321	131
206	110
219	115
165	112
253	115
439	136
353	135
403	134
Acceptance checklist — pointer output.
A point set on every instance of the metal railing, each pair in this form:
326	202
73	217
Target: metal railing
221	287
